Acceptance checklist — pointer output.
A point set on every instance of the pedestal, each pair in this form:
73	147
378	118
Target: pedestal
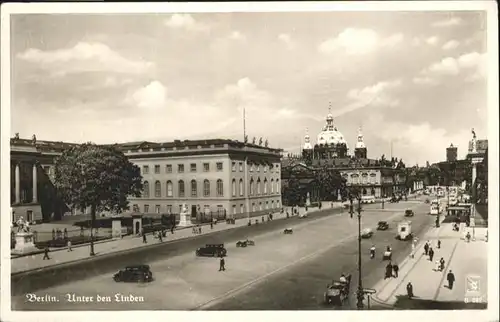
24	243
185	220
116	227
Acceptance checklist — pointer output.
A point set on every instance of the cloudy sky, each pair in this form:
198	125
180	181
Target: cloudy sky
417	79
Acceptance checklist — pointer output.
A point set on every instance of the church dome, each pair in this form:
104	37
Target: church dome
330	135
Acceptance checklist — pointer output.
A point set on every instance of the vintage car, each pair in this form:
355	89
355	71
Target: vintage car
382	225
367	233
245	243
134	273
337	292
409	213
212	250
387	256
288	231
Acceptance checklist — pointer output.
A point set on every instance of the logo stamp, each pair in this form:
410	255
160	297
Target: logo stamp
472	284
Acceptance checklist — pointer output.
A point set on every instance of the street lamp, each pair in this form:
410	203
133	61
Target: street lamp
360	293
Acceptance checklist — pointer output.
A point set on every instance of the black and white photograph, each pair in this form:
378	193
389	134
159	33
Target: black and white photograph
234	157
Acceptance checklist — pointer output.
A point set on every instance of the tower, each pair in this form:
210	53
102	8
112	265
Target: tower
360	151
307	149
451	153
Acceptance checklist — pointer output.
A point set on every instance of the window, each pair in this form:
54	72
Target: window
180	208
265	186
258	186
146	209
233	187
260	205
233	167
220	188
192	167
29	215
181	189
180	168
206	188
220	210
168	168
242	209
234	209
258	168
135	208
219	166
267	205
157	189
251	187
272	204
373	177
241	166
206	167
169	209
194	188
272	186
157	209
145	191
145	169
170	189
157	168
277	203
206	209
277	186
251	167
265	169
253	206
241	187
277	167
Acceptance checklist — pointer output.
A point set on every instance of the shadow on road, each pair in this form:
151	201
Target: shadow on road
404	303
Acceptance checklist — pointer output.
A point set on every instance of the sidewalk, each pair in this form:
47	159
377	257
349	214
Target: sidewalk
429	285
61	255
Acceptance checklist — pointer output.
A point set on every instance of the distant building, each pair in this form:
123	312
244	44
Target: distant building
451	153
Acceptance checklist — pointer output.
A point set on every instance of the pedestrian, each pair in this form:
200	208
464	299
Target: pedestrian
439	244
388	271
222	264
431	254
46	253
199	229
409	290
412	255
144	240
160	237
211	225
451	279
69	246
441	264
438	266
468	237
172	229
426	248
395	269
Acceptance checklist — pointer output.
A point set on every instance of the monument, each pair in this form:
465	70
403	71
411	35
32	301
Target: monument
308	200
185	217
25	242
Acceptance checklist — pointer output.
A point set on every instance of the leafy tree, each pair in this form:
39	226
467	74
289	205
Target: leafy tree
99	177
330	182
292	191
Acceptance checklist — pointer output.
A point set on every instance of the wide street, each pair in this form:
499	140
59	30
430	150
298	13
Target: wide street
280	272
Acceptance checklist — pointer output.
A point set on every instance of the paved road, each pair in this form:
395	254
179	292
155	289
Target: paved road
183	281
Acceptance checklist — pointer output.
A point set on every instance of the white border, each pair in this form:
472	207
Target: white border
493	103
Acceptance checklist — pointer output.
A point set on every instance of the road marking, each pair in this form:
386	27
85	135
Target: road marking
219	298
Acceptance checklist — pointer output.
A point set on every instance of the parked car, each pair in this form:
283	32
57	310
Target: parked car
368	199
409	213
288	231
212	250
367	233
245	243
387	255
134	273
337	292
382	225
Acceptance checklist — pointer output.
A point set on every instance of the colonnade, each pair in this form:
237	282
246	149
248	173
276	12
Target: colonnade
17	183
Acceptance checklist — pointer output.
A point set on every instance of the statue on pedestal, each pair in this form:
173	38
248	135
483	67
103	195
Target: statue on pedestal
184	217
474	141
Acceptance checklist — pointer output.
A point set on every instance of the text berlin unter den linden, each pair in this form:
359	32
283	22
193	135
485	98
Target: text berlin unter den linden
75	298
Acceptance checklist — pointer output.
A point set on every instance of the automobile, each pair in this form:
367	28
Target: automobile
409	213
337	292
245	243
211	250
387	255
368	199
288	231
134	273
367	233
382	225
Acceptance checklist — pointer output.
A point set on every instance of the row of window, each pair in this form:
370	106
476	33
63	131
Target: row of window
261	188
206	168
220	208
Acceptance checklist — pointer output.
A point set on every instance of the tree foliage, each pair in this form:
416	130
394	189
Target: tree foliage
100	177
330	182
292	191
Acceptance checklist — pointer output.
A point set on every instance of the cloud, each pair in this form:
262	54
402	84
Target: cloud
152	96
453	66
236	35
425	80
432	40
358	42
452	44
186	22
83	57
287	40
376	95
453	21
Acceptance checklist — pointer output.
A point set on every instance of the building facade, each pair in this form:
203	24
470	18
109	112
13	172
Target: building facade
209	176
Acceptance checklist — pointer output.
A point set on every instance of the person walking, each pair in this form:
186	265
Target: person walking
395	269
144	239
431	254
412	255
409	290
388	271
437	266
426	248
439	244
451	279
199	229
441	264
222	264
160	236
46	253
211	225
69	246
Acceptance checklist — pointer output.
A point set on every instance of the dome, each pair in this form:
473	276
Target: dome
330	134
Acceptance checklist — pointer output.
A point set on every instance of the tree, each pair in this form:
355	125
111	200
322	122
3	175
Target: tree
292	191
99	177
330	182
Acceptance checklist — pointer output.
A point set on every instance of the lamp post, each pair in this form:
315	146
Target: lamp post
360	293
